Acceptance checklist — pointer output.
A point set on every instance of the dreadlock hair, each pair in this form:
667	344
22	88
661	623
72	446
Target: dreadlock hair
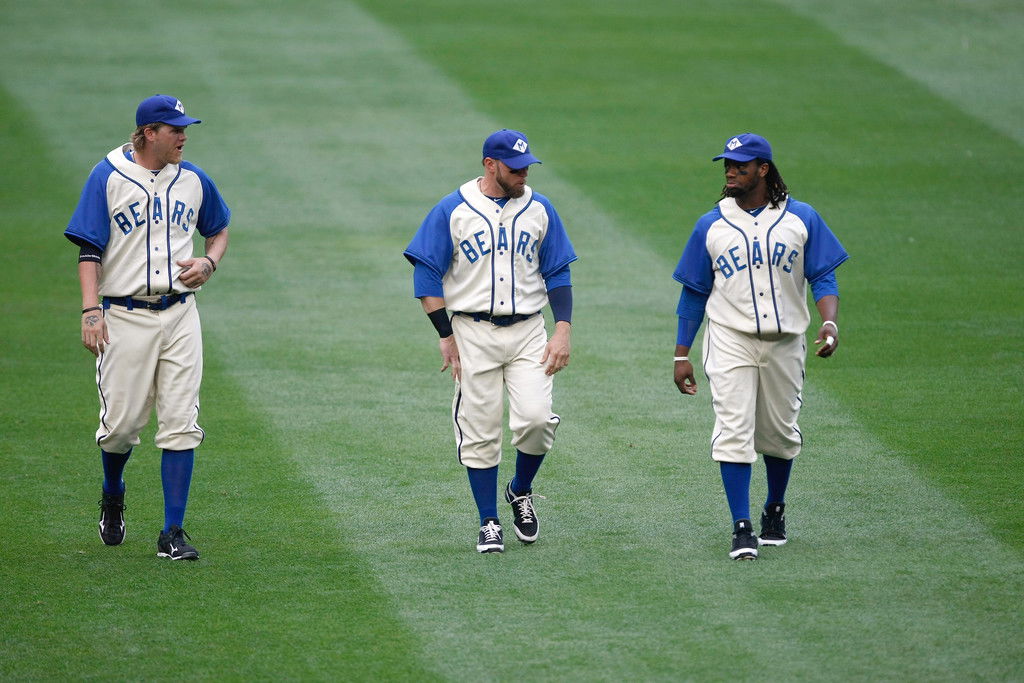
777	190
776	186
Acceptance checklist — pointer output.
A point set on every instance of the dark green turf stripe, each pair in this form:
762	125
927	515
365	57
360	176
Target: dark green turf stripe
277	592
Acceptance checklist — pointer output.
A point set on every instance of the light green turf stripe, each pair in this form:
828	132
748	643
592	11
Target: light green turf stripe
967	51
313	314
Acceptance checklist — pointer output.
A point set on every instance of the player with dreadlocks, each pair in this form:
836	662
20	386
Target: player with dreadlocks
747	265
774	185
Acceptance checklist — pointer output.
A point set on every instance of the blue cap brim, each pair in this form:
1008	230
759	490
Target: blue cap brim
736	156
181	120
521	161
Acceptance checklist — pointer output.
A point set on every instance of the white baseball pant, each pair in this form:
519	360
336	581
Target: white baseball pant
154	358
756	386
496	360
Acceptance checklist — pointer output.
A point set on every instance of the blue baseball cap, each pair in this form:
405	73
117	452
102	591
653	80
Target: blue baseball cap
509	147
163	109
746	147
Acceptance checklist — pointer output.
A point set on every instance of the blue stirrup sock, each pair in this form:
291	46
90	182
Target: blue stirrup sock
113	471
526	469
484	483
736	479
778	470
176	475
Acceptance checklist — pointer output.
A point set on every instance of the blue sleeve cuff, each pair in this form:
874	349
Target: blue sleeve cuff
560	278
426	281
825	285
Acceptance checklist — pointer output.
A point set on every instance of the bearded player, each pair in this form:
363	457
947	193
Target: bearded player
133	225
746	265
494	253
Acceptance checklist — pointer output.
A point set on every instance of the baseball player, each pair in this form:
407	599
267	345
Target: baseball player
134	224
746	265
495	252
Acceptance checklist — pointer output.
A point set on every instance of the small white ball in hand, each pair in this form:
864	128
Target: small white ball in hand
829	340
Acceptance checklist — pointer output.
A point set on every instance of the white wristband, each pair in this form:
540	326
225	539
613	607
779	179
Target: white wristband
679	358
829	322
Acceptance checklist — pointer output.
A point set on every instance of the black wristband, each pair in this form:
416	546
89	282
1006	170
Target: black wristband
442	323
212	262
91	308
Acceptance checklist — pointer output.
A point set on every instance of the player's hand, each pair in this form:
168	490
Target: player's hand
556	353
683	377
829	337
196	271
450	357
94	332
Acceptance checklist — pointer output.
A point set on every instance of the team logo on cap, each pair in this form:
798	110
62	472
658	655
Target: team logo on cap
733	144
178	106
520	146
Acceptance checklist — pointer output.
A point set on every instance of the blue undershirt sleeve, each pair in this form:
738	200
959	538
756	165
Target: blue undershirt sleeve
691	314
560	299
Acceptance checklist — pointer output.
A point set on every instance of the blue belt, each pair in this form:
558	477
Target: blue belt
165	302
499	320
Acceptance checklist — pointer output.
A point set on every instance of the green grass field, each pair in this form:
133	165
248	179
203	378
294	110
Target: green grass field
335	526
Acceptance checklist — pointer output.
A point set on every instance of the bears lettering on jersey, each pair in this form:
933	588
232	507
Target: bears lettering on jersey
734	260
181	215
479	245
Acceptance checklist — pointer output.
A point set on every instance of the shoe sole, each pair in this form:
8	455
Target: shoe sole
523	537
490	548
190	556
773	541
744	554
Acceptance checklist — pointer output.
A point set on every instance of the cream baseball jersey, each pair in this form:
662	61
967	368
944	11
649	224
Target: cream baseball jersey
143	222
759	264
492	257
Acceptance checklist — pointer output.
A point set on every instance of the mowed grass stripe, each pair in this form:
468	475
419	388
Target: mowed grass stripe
964	51
276	591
